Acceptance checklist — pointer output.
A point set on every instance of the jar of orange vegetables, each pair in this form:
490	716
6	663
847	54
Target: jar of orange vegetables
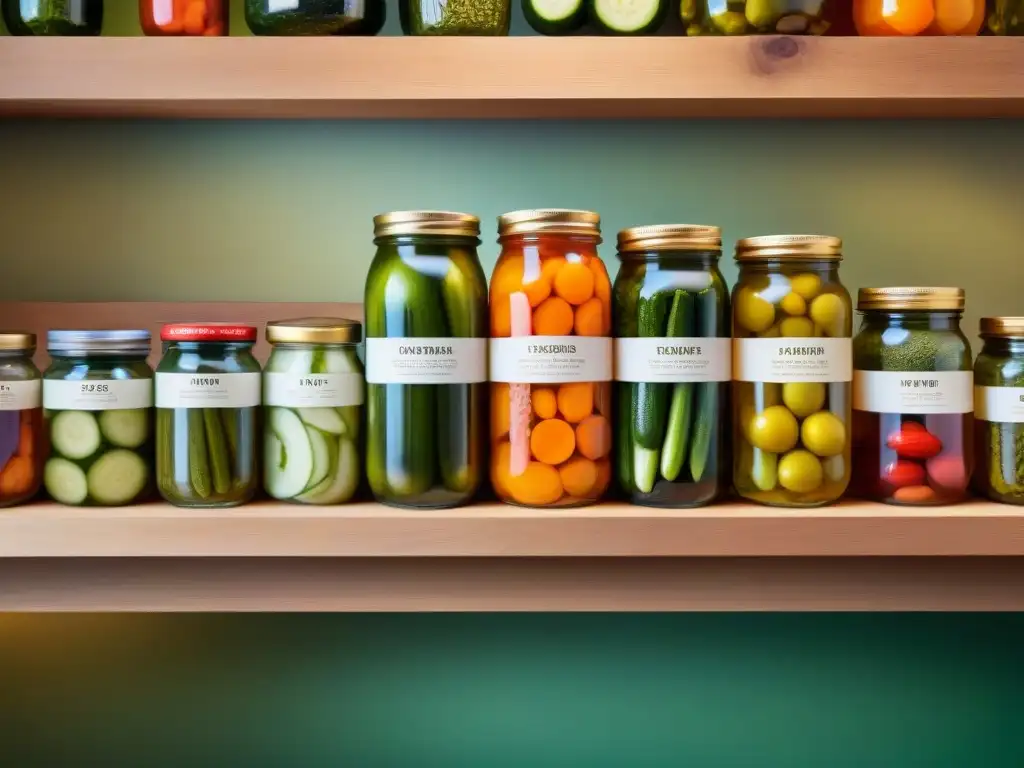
907	18
21	419
550	360
206	18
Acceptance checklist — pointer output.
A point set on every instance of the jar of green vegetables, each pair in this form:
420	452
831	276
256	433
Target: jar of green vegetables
208	392
999	410
314	17
455	17
313	407
53	17
757	17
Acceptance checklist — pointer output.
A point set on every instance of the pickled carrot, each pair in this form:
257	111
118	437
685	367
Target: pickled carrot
538	485
576	401
957	17
508	277
604	476
554	317
594	437
590	318
501	317
552	441
579	476
544	403
574	282
26	440
17	476
501	410
603	291
519	394
908	17
500	461
213	15
215	30
195	18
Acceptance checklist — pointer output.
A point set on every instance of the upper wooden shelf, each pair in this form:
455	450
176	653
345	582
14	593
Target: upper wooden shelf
521	77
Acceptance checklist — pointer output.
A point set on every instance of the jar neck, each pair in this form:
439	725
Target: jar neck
454	241
933	320
107	359
674	260
330	345
16	354
534	238
210	348
997	345
826	269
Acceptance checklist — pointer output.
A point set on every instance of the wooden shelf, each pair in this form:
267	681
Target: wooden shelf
522	77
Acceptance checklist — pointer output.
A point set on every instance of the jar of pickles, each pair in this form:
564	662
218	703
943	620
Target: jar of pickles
314	17
208	391
313	406
791	371
1006	17
551	360
912	397
673	361
426	360
206	18
98	402
488	18
999	410
53	17
752	17
21	419
907	18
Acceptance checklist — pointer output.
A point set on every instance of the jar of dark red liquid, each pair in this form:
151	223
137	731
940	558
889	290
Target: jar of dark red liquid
913	397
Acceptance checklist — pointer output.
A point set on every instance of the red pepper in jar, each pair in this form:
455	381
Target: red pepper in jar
913	441
902	473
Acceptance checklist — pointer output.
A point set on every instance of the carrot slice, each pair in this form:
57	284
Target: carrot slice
500	460
579	476
539	485
508	276
501	316
536	285
603	291
594	437
956	17
908	17
590	318
552	441
545	405
26	440
576	401
195	18
554	317
604	476
574	282
17	476
501	410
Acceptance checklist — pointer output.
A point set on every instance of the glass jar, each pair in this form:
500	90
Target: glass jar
208	391
455	17
999	410
426	360
22	447
757	17
314	17
206	18
907	18
791	371
912	397
673	362
50	18
98	404
551	360
313	407
1006	17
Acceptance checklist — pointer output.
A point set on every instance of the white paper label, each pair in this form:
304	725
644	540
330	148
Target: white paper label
1000	404
913	393
208	390
20	395
551	359
673	359
426	361
780	360
312	390
97	395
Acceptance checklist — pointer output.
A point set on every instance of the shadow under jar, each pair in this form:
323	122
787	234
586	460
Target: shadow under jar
999	410
98	401
792	319
56	18
208	393
754	17
913	397
315	17
673	362
22	447
192	18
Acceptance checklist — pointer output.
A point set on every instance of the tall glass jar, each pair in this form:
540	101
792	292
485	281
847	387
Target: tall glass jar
907	18
999	410
22	447
50	18
791	370
315	17
673	363
206	18
551	360
426	360
313	408
98	403
1006	17
455	17
208	390
912	397
754	17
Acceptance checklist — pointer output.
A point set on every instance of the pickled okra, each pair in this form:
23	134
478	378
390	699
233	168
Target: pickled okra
999	417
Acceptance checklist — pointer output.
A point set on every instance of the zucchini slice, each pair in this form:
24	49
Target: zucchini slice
75	434
555	17
629	17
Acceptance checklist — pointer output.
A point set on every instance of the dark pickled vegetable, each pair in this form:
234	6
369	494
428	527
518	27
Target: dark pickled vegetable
1006	17
315	17
53	17
455	17
999	431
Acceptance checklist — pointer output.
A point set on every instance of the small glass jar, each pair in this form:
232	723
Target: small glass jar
1006	17
913	397
455	17
426	360
551	360
999	410
791	371
195	18
313	408
673	363
757	17
908	18
314	17
49	18
98	403
208	393
22	447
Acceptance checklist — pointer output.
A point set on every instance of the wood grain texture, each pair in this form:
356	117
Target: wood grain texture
524	77
275	530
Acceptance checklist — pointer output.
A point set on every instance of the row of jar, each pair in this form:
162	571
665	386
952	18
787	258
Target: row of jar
492	17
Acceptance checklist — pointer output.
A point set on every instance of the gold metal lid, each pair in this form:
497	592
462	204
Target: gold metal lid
1005	327
670	237
793	247
906	298
315	330
13	340
441	223
550	221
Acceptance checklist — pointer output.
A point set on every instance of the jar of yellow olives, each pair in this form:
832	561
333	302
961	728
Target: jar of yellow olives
792	368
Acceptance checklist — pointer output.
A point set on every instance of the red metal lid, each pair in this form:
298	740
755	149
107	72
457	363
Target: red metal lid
208	332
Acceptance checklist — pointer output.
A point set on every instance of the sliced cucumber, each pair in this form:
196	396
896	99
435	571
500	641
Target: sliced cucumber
288	454
555	17
342	485
65	482
324	419
290	361
341	361
117	477
630	17
321	447
75	434
126	428
351	415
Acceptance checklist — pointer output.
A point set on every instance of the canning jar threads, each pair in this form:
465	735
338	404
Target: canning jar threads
98	401
22	445
913	397
791	371
426	360
999	410
313	409
673	361
550	360
193	18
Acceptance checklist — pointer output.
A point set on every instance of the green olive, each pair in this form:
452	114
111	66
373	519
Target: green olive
774	430
760	13
829	311
688	10
823	433
793	304
800	471
752	312
730	23
806	285
803	397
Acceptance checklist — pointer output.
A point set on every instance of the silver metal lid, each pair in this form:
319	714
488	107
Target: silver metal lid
73	343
